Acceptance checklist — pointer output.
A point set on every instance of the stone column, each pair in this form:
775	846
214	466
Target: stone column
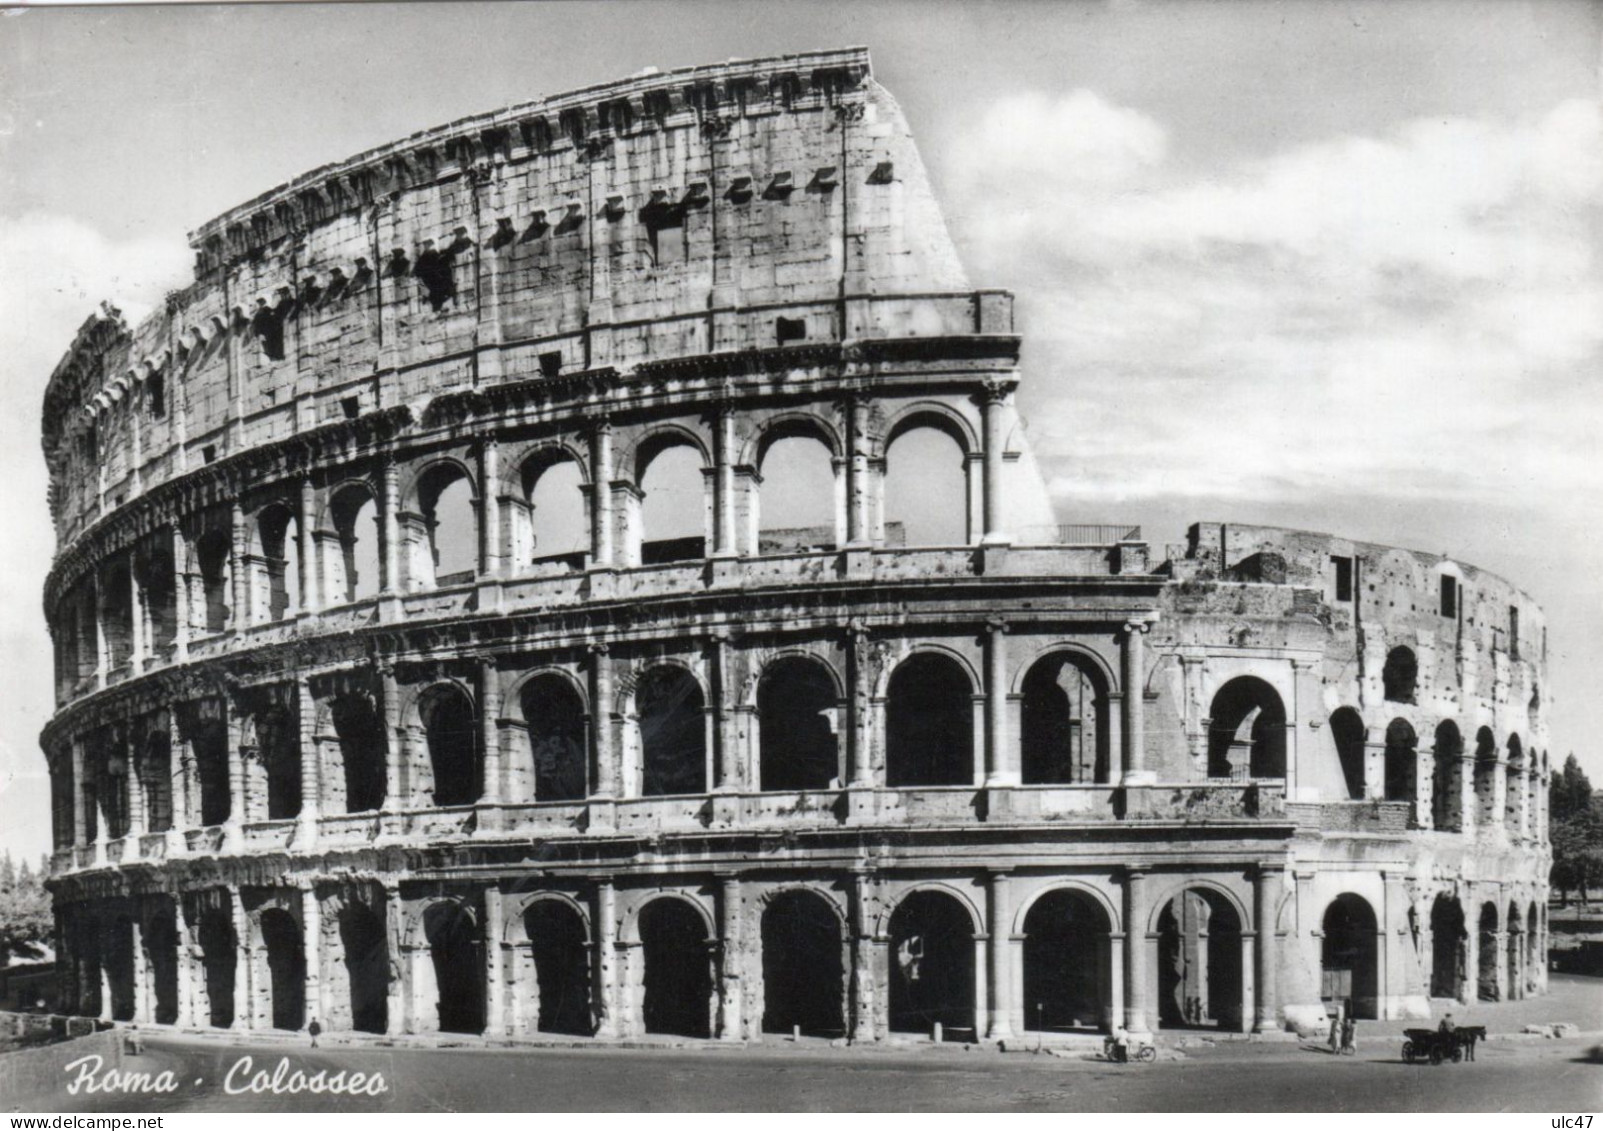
490	730
1003	1004
604	782
859	491
244	961
489	509
137	823
1001	757
991	406
397	1011
181	613
1393	922
1266	894
389	527
236	775
724	492
730	1027
80	807
306	572
142	995
312	943
1132	678
1135	934
494	968
138	641
728	776
606	981
861	707
864	964
102	653
396	794
601	495
238	571
306	826
188	964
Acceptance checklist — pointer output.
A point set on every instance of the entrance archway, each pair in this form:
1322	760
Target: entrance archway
217	947
367	966
1449	951
561	954
456	948
161	940
1068	983
1199	963
803	971
1486	972
1349	955
678	969
286	968
119	959
932	965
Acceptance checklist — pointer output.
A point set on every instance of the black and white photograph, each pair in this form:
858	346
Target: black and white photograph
824	556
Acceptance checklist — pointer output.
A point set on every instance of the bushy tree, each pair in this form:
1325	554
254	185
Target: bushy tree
1577	833
25	915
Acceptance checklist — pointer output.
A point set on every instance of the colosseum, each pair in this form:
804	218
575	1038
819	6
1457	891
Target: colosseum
399	685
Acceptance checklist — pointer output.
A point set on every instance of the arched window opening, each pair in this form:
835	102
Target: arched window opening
559	520
217	946
1449	948
278	739
362	749
1486	811
1447	810
1400	674
454	744
926	477
557	738
673	732
451	527
678	969
286	968
1348	732
1535	951
1064	723
118	957
1349	958
208	740
1486	988
803	968
161	940
1401	761
367	967
117	614
456	952
561	956
356	525
1247	732
211	557
929	723
932	966
1199	963
276	529
797	499
158	581
1068	983
1514	791
673	505
797	708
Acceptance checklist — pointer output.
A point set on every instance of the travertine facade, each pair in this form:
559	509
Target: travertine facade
346	730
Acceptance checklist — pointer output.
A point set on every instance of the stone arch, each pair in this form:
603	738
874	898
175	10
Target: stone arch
787	425
1348	732
798	698
1449	947
352	515
668	704
926	457
558	934
1488	926
219	952
673	528
274	539
1215	890
1399	676
1065	721
658	438
1200	932
931	936
1067	933
1247	730
443	500
118	962
1447	806
549	519
799	502
1082	653
1535	956
1486	778
161	943
1514	947
365	945
929	721
279	934
450	929
446	712
929	414
966	899
1401	761
363	750
212	549
1350	954
555	713
1514	785
676	942
804	963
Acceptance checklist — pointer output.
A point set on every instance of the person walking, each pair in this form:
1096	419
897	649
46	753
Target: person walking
1336	1024
314	1030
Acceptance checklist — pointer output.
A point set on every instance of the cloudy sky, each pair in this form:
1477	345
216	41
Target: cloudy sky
1327	264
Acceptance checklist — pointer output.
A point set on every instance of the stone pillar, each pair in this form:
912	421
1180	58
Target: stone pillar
991	406
730	1027
1001	767
606	981
1266	894
396	794
1135	934
859	490
861	707
489	509
142	996
244	963
1003	1004
138	641
238	570
236	775
865	1012
728	776
389	527
188	964
306	827
306	571
490	730
312	943
80	806
137	823
181	613
601	495
102	653
397	1013
604	782
1132	678
494	967
724	494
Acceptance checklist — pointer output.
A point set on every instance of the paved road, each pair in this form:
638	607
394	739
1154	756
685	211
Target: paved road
1545	1076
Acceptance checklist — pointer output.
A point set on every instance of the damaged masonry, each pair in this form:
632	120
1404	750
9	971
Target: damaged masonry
347	727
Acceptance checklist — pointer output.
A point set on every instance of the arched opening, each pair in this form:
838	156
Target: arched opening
555	716
117	614
561	954
1401	761
1535	959
456	949
1489	954
356	526
1400	675
452	733
796	713
363	749
559	521
797	501
1514	791
158	580
276	537
673	732
1349	956
678	969
208	740
211	558
367	967
1446	802
278	747
1199	963
286	968
673	503
118	955
1449	948
1068	982
1514	944
217	948
1347	730
1247	731
161	941
926	472
87	968
929	723
157	773
1064	734
932	966
450	527
803	970
1486	810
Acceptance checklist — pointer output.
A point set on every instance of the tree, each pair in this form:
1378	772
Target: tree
25	914
1576	832
1570	791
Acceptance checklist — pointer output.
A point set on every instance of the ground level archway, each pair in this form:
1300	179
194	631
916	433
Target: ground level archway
1200	954
803	966
1067	964
1350	956
932	965
677	974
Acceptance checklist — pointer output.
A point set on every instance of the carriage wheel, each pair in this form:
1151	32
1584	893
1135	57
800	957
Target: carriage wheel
1148	1053
1435	1056
1408	1051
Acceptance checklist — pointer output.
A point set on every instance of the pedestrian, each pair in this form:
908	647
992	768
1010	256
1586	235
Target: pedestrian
1469	1045
1349	1036
314	1030
1336	1024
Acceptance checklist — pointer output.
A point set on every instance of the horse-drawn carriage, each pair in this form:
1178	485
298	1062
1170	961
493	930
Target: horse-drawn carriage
1436	1046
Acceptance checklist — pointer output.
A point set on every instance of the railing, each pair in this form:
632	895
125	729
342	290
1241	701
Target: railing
1077	534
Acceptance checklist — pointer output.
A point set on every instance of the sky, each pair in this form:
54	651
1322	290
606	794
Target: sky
1322	264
